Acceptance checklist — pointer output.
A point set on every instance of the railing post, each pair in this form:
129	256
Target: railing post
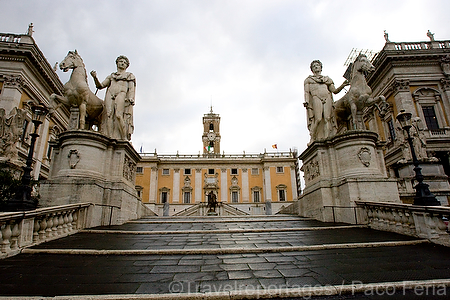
6	235
15	236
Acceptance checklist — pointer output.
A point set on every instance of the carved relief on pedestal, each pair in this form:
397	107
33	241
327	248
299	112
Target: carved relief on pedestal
74	158
364	156
311	169
129	169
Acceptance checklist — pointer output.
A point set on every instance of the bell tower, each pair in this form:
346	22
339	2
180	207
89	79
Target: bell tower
211	133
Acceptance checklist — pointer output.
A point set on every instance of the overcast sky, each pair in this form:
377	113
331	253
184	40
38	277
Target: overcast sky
248	58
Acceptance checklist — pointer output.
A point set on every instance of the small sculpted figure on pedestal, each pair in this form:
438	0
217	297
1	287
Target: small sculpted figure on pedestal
119	100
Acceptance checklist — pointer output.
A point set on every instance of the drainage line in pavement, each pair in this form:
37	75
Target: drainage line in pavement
222	250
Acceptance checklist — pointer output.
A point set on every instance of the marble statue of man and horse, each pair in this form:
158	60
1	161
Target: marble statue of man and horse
326	117
114	116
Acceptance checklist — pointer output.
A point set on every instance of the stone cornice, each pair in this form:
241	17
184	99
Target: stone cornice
24	52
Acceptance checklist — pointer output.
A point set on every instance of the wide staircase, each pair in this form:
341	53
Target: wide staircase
258	257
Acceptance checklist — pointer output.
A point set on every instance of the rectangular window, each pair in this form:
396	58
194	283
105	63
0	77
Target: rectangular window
255	171
391	130
187	171
282	195
211	171
24	131
163	197
165	172
187	197
49	152
430	117
280	170
211	127
234	197
139	170
256	196
234	171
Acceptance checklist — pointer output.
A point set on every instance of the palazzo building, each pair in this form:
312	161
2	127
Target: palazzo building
415	77
26	75
241	183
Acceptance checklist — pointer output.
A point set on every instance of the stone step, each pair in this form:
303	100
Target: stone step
247	239
275	257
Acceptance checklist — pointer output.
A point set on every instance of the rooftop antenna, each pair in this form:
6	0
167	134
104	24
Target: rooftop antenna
370	54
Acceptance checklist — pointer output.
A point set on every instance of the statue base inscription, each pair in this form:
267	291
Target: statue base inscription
88	167
341	170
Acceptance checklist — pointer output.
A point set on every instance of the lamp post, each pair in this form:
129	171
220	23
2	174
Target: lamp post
423	194
22	199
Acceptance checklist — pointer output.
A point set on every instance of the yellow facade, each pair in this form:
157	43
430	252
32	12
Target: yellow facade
234	179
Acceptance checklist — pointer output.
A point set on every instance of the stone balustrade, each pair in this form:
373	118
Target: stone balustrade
222	156
418	45
430	222
23	229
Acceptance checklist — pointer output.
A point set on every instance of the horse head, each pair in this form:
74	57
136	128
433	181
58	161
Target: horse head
363	65
71	61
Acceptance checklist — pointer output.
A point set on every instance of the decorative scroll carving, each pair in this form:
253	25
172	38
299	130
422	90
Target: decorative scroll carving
445	65
445	84
15	81
400	85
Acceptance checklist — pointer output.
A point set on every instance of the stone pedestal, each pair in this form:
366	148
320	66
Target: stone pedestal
88	167
340	170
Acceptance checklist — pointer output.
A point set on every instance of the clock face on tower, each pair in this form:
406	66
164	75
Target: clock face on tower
211	136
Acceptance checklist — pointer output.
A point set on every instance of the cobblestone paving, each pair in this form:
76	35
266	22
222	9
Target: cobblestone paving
46	274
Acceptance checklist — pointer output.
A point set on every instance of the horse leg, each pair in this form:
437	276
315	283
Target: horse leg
54	98
354	112
82	115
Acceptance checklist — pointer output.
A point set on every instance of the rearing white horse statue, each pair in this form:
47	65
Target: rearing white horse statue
358	96
78	94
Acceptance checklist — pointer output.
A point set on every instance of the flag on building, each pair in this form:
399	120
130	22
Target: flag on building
274	146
